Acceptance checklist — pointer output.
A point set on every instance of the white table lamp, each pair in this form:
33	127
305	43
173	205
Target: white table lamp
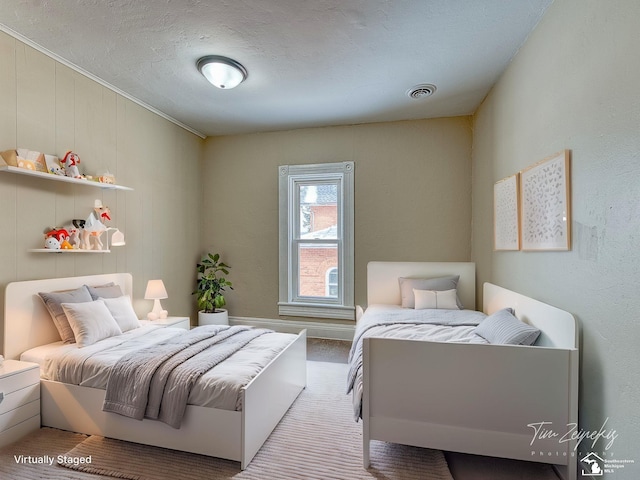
156	291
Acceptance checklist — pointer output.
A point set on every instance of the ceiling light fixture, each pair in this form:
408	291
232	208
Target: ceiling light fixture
222	72
421	91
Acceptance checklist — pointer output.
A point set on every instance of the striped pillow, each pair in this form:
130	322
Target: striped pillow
502	327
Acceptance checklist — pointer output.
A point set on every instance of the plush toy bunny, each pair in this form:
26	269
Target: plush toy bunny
70	162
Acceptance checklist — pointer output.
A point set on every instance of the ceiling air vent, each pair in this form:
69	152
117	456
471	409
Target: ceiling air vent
421	91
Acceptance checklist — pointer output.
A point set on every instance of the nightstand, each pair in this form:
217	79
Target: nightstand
176	322
19	400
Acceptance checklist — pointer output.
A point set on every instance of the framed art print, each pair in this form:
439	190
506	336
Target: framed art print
545	204
506	227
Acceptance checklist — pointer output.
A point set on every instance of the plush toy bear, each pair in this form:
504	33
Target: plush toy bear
52	243
70	162
60	240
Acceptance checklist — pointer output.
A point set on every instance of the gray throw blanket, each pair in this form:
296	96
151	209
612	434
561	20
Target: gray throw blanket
155	382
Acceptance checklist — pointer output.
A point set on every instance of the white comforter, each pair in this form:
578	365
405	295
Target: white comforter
218	388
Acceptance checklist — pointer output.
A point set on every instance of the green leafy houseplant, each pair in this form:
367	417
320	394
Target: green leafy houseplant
211	283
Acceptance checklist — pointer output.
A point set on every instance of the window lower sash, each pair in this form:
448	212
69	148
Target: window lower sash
316	310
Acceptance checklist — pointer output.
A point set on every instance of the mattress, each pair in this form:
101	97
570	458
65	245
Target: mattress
219	388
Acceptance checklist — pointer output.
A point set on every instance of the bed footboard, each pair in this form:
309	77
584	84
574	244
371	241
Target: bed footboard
479	399
270	394
233	435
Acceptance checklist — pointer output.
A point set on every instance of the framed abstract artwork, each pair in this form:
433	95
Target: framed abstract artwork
506	225
546	204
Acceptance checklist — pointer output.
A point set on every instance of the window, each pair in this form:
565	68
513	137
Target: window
316	240
331	284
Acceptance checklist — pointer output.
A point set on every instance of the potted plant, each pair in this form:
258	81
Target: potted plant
209	291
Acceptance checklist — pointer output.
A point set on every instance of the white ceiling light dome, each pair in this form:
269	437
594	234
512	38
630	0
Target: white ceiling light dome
222	72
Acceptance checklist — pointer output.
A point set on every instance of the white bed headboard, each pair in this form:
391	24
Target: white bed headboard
27	322
383	287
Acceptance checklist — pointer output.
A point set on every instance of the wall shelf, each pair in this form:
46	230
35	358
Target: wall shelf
60	178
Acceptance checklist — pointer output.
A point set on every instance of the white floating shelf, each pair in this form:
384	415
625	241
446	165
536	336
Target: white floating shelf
60	178
67	250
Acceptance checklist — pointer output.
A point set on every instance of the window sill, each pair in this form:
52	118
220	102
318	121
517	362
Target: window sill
316	310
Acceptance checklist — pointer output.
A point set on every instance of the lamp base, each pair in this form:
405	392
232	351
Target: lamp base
157	313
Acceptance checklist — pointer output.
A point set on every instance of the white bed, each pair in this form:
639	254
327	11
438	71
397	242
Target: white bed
230	434
472	398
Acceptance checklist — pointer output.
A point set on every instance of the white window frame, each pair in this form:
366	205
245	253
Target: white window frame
290	302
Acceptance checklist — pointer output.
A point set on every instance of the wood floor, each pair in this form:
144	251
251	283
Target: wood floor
462	466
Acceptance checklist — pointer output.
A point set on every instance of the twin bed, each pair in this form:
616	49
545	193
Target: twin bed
458	393
231	426
465	394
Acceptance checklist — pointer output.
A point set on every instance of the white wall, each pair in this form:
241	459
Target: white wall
48	107
574	85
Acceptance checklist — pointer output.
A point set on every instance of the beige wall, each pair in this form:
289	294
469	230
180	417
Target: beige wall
574	85
48	107
412	198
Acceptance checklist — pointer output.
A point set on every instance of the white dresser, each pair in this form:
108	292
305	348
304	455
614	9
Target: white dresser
175	322
19	400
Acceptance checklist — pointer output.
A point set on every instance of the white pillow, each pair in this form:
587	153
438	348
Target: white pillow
122	311
90	321
440	299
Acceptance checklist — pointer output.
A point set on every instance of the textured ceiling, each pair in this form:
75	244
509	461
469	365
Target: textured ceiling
310	63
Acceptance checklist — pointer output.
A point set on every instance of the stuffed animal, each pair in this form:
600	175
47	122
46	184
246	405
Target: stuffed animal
61	237
107	178
70	162
90	230
74	232
52	243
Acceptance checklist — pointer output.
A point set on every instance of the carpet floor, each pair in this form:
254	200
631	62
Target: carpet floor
317	439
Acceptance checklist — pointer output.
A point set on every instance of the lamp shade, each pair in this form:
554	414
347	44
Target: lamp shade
222	72
155	290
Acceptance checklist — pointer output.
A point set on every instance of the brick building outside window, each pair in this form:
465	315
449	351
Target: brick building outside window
318	274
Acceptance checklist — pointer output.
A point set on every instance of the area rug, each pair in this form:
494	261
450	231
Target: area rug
317	439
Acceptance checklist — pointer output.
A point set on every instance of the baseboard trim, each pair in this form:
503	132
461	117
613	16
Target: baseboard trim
333	331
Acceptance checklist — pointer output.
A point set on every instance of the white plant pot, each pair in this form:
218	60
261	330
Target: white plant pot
221	317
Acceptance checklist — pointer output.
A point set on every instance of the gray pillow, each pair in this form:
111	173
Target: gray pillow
110	290
53	301
502	327
475	338
440	283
